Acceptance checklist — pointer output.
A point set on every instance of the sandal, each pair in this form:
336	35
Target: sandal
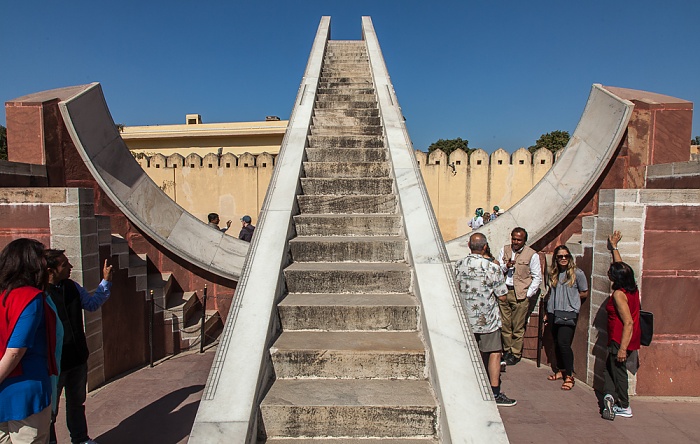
555	376
569	383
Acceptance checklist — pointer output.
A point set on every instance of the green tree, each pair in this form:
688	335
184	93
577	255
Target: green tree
553	141
449	145
695	141
3	143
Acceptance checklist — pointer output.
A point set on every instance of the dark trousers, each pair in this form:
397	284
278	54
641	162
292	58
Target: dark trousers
563	336
74	381
616	377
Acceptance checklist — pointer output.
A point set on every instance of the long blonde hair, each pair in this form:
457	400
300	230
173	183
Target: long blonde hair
554	269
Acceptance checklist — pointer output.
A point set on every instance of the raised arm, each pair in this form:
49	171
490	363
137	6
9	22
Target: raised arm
613	240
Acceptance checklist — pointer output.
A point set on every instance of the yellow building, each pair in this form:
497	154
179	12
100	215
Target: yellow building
204	138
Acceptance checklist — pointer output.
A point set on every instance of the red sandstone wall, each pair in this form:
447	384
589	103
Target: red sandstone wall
24	221
670	283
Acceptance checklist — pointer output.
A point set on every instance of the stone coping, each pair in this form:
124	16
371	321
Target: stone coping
228	412
586	156
468	412
98	142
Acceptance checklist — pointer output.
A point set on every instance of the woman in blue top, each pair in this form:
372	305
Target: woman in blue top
27	344
568	287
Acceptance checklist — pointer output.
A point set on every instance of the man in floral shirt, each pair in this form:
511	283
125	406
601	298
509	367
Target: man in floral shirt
481	284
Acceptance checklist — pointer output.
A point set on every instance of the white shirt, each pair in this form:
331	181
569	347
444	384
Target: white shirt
476	223
535	271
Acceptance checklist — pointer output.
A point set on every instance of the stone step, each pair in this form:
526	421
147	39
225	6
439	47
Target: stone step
348	354
137	265
348	277
358	204
349	408
338	130
355	141
356	113
162	285
348	249
345	82
347	186
356	98
347	169
343	120
346	155
327	311
340	90
348	224
345	105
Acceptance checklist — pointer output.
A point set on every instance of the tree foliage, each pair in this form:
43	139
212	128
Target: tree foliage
449	145
3	143
695	141
553	141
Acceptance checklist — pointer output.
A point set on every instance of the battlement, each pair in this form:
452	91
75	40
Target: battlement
480	158
211	160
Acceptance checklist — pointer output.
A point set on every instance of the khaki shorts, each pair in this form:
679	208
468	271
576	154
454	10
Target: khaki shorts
489	342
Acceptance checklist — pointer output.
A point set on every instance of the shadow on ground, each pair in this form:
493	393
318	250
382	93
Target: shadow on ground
162	421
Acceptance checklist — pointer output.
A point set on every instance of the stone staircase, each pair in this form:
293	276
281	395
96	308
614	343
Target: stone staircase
350	363
182	310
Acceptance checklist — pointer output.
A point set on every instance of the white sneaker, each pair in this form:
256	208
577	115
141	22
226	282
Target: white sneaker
609	407
625	413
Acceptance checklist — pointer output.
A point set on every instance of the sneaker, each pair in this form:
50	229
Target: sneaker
625	413
609	407
503	366
503	401
89	441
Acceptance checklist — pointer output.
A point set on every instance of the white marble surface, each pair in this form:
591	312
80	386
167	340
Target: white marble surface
96	138
468	412
230	398
590	149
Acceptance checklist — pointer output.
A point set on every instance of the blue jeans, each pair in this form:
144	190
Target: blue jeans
74	381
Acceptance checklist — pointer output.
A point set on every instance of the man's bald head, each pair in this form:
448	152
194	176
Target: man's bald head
477	243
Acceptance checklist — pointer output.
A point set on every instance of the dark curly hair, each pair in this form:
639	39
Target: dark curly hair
22	264
622	277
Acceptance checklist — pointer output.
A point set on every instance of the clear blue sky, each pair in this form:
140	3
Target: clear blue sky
497	73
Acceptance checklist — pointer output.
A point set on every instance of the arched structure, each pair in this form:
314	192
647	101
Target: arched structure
97	139
578	168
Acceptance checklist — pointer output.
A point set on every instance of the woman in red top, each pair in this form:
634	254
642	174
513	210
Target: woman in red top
623	333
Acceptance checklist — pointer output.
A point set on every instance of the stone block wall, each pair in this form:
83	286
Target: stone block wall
659	230
61	218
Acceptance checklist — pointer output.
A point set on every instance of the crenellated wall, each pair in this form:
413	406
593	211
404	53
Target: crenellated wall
461	183
236	185
229	185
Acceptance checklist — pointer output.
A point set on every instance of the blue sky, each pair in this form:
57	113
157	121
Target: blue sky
497	73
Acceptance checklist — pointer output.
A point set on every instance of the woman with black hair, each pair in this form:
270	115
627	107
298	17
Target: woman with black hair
27	344
624	333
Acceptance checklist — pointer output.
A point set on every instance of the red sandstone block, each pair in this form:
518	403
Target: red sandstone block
24	216
671	251
673	218
670	368
675	303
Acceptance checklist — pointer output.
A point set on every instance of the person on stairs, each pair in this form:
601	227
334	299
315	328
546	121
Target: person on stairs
481	285
70	300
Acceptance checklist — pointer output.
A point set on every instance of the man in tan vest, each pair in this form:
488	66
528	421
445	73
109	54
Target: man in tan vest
521	266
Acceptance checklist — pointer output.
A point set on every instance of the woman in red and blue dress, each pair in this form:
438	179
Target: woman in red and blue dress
27	344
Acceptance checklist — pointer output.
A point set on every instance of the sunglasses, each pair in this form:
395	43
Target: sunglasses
563	256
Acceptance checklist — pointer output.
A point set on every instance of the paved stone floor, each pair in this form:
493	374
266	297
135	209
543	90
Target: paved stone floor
158	405
546	414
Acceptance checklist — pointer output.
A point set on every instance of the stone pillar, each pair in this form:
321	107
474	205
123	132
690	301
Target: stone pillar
74	229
